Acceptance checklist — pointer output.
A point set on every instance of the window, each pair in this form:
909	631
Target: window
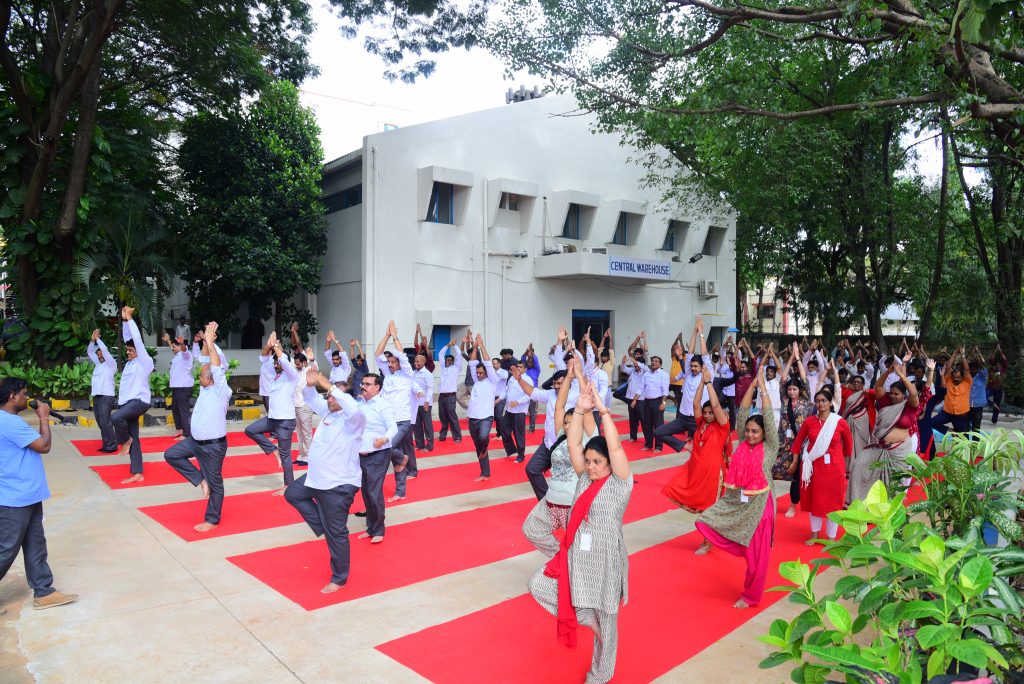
442	204
571	228
714	241
675	236
621	236
509	201
766	311
349	197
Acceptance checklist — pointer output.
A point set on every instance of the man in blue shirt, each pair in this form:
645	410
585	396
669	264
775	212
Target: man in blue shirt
22	491
979	388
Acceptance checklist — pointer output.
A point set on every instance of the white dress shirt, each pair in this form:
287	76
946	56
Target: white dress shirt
450	375
691	383
267	374
197	354
380	422
334	452
634	381
502	385
481	399
516	400
398	387
557	357
550	398
423	386
724	371
135	376
209	417
102	372
773	388
655	383
181	370
340	372
282	389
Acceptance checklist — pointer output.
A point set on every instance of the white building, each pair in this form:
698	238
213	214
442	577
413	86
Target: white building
514	221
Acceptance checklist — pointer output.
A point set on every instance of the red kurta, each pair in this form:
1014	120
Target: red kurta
695	487
827	489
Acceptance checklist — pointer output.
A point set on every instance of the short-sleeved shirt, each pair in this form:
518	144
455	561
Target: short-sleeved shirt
22	477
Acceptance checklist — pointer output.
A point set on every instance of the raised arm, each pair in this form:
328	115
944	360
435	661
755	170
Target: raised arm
721	417
616	454
296	342
383	341
90	350
130	331
700	332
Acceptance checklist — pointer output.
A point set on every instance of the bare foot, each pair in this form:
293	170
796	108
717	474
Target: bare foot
395	498
280	492
330	588
377	540
204	527
137	477
206	489
812	541
741	604
401	466
791	511
363	535
482	478
703	549
125	447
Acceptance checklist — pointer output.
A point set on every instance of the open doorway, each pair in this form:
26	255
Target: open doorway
597	320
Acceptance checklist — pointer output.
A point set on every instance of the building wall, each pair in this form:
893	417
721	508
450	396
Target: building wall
339	302
416	271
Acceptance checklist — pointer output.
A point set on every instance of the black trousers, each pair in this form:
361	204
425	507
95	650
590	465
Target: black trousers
539	464
126	424
448	416
326	513
374	466
667	432
996	401
499	422
976	416
513	437
960	423
181	409
403	446
211	460
533	415
636	414
424	431
102	405
283	430
21	529
653	418
480	431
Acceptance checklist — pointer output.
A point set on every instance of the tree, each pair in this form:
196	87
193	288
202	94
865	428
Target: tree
255	229
72	70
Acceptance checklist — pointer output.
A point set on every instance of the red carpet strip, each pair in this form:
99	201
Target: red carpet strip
155	445
161	473
679	604
420	550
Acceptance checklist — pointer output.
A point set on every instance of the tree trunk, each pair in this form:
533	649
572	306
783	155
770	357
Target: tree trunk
67	219
940	244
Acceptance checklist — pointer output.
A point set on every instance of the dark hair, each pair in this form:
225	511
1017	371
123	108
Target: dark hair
858	377
825	392
505	351
550	382
795	382
129	343
707	405
696	358
9	387
901	386
598	444
759	420
656	357
377	379
299	356
336	354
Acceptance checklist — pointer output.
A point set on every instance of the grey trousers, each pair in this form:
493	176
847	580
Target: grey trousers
604	625
480	432
21	529
283	430
424	430
448	416
304	429
102	405
126	424
211	460
374	466
667	432
181	409
326	513
499	419
533	416
402	442
539	464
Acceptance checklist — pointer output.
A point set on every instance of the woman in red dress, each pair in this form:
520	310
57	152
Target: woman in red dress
828	444
695	487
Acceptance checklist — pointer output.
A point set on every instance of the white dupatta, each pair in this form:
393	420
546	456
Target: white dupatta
820	447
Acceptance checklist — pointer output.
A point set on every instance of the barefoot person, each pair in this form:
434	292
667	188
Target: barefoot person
280	418
375	452
482	401
133	397
399	392
22	492
208	442
742	522
587	579
103	394
324	494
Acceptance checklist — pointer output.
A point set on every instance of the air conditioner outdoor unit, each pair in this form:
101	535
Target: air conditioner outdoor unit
707	288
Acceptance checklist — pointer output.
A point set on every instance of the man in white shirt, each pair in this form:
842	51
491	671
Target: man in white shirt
692	375
398	391
634	384
655	394
267	374
451	361
182	331
181	385
481	405
207	442
303	413
325	493
133	397
375	452
423	389
499	399
517	404
280	418
103	394
337	360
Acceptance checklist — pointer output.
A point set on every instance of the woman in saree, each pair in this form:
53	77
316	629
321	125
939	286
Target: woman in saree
796	407
742	522
824	444
586	580
894	437
695	486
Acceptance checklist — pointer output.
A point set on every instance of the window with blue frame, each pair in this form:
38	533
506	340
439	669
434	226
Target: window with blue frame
621	236
442	204
675	236
349	197
571	227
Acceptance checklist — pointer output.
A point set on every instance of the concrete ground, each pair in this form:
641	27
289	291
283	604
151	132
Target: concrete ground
154	608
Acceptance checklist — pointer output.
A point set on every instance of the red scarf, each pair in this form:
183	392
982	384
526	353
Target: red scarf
558	566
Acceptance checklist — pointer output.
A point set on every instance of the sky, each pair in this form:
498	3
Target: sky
352	99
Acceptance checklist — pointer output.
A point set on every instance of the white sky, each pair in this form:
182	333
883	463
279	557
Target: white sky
352	99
